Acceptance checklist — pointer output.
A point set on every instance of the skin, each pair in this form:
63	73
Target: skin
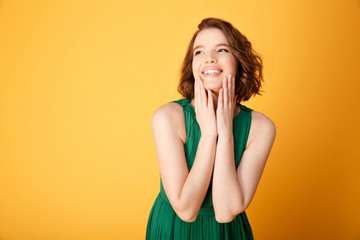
211	49
215	107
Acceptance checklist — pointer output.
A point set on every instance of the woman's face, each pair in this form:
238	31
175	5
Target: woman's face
212	58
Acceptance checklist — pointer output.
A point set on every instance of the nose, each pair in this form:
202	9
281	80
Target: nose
210	58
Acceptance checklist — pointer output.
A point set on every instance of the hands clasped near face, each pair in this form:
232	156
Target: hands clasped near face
221	123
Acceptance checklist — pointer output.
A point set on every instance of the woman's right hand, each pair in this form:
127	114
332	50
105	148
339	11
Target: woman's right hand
204	109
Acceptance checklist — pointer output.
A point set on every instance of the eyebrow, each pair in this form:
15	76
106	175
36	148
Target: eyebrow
217	45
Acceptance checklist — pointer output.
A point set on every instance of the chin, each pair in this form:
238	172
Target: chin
212	87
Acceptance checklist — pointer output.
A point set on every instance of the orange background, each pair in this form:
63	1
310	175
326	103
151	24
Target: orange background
79	81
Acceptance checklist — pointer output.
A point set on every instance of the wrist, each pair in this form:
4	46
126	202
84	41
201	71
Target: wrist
209	135
225	134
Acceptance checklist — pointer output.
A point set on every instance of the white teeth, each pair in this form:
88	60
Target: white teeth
212	72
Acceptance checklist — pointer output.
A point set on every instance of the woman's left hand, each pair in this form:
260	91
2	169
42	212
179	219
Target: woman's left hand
226	106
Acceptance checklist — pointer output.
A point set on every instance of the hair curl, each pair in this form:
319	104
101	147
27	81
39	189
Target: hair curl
249	75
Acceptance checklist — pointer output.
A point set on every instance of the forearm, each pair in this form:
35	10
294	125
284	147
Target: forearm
228	199
197	182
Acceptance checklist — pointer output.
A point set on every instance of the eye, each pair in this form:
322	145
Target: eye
223	50
197	52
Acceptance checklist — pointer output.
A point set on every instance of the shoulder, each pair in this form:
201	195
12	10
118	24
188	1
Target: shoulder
262	127
169	118
262	121
167	112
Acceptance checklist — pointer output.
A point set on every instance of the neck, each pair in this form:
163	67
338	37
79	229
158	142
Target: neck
215	100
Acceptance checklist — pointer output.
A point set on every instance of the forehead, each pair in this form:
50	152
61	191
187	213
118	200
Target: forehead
209	37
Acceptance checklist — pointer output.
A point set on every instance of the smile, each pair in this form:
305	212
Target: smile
211	72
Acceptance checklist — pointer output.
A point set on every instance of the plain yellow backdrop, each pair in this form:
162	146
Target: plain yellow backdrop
79	81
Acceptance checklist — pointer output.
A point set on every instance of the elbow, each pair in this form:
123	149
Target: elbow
185	211
224	217
187	216
228	215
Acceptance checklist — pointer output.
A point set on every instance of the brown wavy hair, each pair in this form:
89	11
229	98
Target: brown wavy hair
249	75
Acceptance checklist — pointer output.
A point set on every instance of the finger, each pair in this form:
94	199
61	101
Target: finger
195	92
210	100
229	84
203	94
220	100
225	91
197	96
232	87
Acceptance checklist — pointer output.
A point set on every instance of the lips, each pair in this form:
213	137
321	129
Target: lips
211	71
211	68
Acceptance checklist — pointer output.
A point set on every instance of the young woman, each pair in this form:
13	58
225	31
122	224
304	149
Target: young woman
210	148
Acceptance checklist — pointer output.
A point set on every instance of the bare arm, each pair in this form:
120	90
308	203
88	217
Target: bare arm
227	192
233	189
185	190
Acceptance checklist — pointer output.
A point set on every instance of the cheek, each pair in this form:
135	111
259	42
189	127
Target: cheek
233	64
195	66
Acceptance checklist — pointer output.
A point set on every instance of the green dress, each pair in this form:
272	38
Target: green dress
164	224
